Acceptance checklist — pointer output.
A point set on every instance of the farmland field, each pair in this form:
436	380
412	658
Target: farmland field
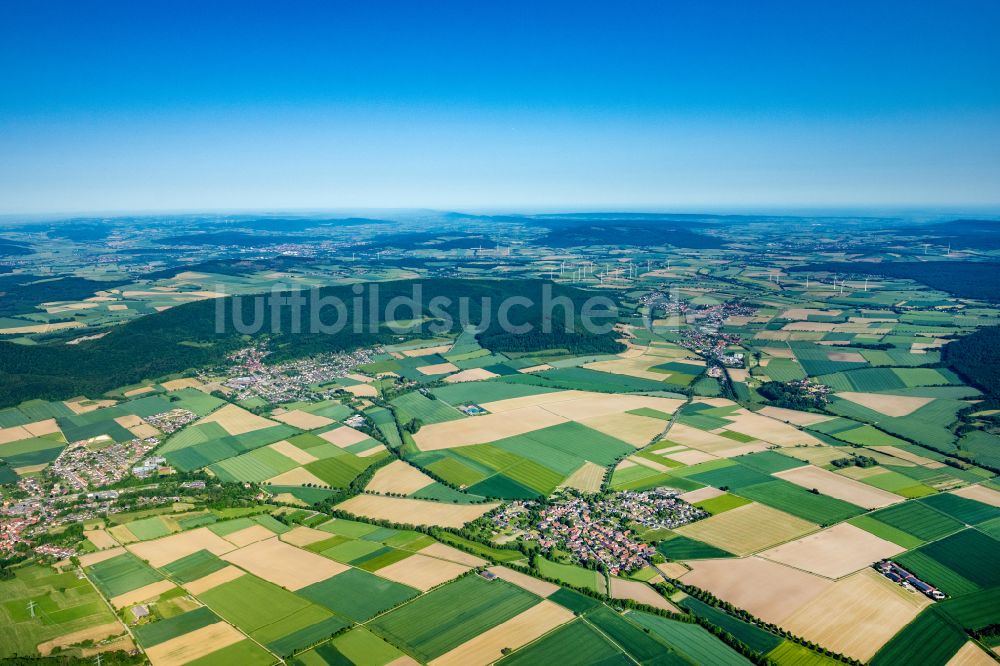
575	644
449	616
930	639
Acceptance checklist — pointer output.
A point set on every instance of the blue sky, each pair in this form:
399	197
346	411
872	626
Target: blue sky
118	106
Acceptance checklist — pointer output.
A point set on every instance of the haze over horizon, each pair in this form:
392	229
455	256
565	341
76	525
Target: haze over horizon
114	106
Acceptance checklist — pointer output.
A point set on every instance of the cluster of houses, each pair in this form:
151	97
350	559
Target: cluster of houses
292	381
600	530
80	467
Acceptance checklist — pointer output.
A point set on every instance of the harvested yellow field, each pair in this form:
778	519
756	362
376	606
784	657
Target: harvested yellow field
398	477
699	439
536	368
303	536
638	591
236	420
470	375
93	558
193	645
427	351
857	615
809	326
303	420
362	390
482	429
524	581
422	572
39	428
594	405
769	590
971	654
814	455
214	579
834	552
183	383
96	633
13	434
907	456
690	457
979	494
487	647
587	478
708	492
82	405
344	436
41	328
673	569
299	476
794	416
160	552
512	404
414	512
778	352
635	366
635	430
802	314
840	487
295	453
358	377
445	552
143	593
249	535
137	391
279	563
747	529
122	534
768	430
121	643
890	405
100	538
437	368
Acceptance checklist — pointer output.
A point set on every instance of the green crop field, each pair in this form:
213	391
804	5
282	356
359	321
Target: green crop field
357	594
415	405
255	466
722	503
749	634
636	642
793	654
155	633
358	646
339	471
251	603
122	573
800	502
917	519
148	528
969	554
571	574
684	548
489	391
244	653
768	462
974	611
884	531
931	639
962	509
574	644
734	477
193	566
62	603
689	640
448	616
